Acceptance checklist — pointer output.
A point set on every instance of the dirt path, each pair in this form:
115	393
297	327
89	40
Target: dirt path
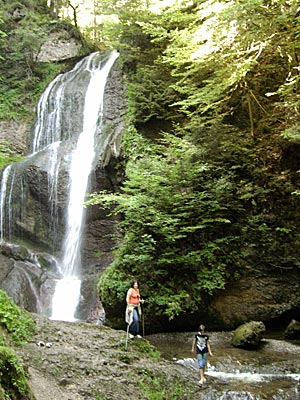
77	361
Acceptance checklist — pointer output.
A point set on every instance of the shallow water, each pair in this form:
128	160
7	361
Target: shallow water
270	373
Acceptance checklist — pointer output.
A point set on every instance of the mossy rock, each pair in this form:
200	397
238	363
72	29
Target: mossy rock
13	379
249	335
293	330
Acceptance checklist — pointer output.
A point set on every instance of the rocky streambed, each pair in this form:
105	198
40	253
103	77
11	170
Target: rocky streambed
270	373
76	361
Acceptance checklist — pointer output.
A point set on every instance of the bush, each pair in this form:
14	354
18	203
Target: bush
13	379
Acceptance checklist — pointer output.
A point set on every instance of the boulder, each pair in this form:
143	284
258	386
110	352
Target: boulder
28	277
59	46
249	335
293	330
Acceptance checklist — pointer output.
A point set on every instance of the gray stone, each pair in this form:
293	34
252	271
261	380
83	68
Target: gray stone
59	46
14	134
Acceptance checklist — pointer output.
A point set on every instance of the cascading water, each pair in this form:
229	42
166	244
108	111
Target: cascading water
67	132
67	291
5	176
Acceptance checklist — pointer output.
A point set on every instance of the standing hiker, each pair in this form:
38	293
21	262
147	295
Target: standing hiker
133	309
202	346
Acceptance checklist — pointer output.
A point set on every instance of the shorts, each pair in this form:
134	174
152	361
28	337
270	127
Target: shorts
202	359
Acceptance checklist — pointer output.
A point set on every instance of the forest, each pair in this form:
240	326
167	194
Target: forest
210	153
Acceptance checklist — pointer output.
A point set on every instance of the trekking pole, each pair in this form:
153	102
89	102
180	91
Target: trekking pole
127	334
143	322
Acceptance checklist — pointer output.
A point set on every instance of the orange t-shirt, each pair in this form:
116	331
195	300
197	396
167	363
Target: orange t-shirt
134	296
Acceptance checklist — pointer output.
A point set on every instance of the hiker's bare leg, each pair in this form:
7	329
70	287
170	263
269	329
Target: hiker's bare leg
201	373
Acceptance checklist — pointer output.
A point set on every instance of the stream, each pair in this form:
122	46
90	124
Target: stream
270	373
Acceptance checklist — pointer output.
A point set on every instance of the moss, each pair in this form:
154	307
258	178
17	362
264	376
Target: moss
249	335
13	379
16	321
157	386
143	346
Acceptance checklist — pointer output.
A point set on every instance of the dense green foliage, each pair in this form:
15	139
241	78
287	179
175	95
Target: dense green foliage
211	160
7	155
16	327
22	77
18	323
175	221
13	379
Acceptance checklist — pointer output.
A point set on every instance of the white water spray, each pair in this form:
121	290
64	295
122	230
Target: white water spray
67	292
2	199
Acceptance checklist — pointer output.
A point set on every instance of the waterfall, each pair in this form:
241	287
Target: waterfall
67	291
68	129
5	176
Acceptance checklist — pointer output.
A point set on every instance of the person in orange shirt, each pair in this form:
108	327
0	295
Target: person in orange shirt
133	309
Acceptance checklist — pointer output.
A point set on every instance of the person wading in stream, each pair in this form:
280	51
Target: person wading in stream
133	309
202	346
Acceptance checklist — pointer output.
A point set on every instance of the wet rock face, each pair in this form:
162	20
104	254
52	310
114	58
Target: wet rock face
27	277
249	335
28	215
31	286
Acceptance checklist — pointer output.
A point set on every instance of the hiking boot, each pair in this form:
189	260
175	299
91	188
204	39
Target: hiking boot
139	337
130	336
